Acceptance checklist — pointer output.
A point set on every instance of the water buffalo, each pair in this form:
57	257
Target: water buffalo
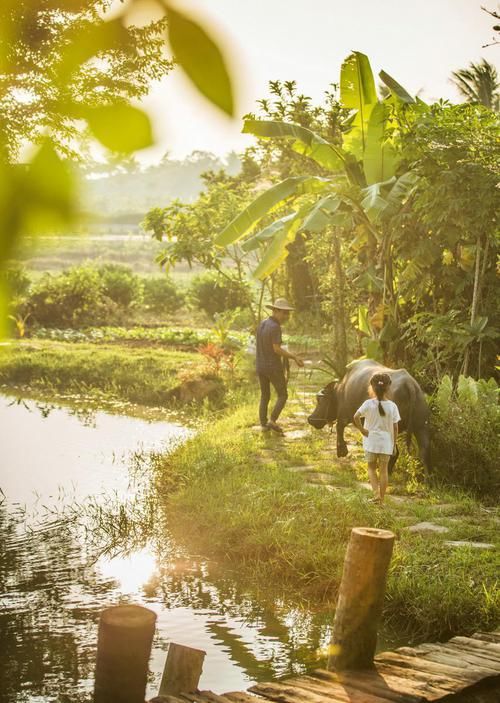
339	401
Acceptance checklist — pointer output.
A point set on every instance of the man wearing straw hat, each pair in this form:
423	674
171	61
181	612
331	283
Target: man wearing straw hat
269	363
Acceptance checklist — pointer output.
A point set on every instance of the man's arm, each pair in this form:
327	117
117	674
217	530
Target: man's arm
278	349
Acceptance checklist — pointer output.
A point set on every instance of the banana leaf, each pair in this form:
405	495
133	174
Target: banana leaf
399	192
357	92
374	202
319	216
306	142
266	202
357	85
268	232
277	251
396	90
380	158
363	324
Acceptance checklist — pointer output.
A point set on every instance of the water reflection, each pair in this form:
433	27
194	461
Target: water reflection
79	489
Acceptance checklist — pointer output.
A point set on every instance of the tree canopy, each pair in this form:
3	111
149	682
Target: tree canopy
68	69
65	61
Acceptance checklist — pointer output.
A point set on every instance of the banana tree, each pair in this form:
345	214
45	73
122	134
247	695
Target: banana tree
360	190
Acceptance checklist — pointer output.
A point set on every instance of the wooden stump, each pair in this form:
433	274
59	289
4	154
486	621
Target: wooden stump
182	670
361	598
123	650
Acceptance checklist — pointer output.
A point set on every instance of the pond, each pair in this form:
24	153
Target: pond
71	479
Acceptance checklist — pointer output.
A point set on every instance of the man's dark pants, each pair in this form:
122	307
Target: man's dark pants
278	381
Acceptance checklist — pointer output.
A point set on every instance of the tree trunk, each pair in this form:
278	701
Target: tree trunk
299	275
474	304
339	305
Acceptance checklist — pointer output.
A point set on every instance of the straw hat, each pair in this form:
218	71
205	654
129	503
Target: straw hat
280	304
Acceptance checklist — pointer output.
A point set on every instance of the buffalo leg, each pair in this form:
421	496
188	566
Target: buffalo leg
341	443
424	448
393	460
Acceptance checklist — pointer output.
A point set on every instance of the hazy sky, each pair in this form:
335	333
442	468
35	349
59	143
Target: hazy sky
419	43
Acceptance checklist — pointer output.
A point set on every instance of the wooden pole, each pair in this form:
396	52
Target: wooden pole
361	599
182	670
123	649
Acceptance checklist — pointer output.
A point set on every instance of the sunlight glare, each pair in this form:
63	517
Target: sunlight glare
130	572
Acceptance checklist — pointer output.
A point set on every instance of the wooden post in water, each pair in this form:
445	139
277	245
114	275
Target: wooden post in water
182	670
123	649
361	599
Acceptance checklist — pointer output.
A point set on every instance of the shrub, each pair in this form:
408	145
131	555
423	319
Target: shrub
17	280
214	292
120	284
162	295
466	447
73	298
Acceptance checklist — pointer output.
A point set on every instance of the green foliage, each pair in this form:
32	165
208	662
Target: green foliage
120	284
188	228
59	67
81	296
362	188
161	294
411	222
183	338
479	84
215	293
201	59
71	299
121	128
447	241
64	62
465	445
17	280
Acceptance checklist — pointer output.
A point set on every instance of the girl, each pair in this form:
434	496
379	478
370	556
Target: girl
379	432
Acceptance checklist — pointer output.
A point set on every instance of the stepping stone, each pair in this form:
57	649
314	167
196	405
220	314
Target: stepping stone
466	543
398	499
304	468
427	527
296	434
319	478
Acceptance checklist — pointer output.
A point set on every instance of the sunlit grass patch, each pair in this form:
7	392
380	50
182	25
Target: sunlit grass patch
146	376
235	501
436	590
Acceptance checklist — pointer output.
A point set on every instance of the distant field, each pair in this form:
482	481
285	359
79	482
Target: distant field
53	254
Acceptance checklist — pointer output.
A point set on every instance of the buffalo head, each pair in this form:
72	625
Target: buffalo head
326	407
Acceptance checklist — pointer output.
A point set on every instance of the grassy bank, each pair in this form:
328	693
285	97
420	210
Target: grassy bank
238	496
149	376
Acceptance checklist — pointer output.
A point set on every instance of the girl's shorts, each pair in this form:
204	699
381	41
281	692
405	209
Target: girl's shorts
372	457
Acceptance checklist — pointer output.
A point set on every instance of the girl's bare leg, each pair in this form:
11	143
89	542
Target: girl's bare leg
384	477
372	474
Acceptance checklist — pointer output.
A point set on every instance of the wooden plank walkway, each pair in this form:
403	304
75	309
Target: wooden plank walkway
428	672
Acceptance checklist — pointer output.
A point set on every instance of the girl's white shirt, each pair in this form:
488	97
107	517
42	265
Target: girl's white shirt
380	428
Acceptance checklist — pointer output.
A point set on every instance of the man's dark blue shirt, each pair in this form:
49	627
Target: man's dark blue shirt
268	333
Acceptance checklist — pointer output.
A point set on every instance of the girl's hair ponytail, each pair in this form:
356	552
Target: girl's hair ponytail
380	383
